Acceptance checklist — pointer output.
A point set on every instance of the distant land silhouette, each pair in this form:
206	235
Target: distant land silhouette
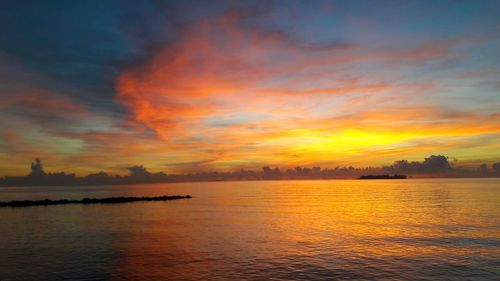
383	177
433	166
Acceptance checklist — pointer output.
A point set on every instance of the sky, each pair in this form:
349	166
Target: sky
183	86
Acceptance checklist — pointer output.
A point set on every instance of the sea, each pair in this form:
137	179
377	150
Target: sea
413	229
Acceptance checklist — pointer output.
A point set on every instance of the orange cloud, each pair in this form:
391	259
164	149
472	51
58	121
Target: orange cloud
229	95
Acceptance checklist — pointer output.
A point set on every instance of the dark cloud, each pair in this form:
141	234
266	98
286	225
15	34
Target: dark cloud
79	46
431	164
434	165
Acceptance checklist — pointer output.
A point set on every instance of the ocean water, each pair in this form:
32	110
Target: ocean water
415	229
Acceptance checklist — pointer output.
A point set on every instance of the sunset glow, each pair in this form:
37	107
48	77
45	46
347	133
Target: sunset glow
243	86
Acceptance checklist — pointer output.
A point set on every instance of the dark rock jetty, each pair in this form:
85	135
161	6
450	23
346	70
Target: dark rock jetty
111	200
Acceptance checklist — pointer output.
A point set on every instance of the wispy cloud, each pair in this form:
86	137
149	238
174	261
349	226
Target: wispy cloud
228	85
295	105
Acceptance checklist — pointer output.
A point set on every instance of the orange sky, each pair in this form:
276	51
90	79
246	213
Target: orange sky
232	104
227	93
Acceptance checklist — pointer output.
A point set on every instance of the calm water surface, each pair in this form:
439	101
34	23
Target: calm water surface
435	229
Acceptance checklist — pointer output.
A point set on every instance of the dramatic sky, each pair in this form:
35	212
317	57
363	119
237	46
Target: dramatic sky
187	86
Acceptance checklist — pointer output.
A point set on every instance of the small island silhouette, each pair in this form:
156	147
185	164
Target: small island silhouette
382	177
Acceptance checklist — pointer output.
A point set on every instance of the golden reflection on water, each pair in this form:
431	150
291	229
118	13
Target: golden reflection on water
288	230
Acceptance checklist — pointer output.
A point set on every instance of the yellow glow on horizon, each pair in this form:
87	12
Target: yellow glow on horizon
343	141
